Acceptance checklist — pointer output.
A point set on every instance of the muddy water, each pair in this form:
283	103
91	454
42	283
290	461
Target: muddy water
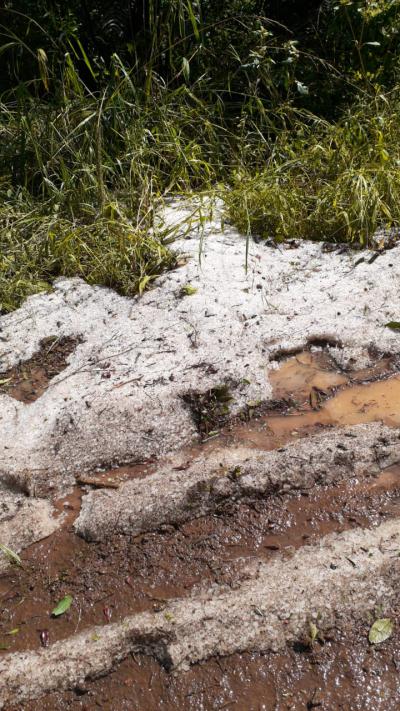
130	575
351	406
122	576
318	396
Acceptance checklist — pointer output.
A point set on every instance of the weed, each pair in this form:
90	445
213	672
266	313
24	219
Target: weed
210	409
337	182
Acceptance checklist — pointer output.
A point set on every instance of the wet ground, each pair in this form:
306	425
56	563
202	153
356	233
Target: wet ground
341	674
125	575
28	381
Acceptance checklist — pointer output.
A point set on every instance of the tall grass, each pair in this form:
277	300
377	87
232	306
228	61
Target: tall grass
89	149
327	181
84	172
82	177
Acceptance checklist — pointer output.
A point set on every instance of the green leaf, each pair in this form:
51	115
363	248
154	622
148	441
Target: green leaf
5	381
381	629
12	557
62	606
394	325
143	283
13	632
193	21
188	290
313	631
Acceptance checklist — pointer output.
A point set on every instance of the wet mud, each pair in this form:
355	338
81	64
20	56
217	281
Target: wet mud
124	575
311	394
340	674
28	380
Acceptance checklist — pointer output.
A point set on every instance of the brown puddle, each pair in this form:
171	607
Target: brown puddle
122	575
28	380
378	401
296	376
318	396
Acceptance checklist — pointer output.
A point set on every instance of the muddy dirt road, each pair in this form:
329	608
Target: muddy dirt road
122	575
219	495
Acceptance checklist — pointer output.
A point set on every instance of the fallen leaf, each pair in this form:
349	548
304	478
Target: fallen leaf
181	261
381	629
253	403
394	325
188	290
313	631
107	612
14	631
12	557
314	399
62	606
97	481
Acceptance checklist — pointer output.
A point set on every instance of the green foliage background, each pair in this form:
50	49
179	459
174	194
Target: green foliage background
290	113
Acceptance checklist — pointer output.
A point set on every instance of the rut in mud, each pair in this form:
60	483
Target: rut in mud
230	569
28	380
213	477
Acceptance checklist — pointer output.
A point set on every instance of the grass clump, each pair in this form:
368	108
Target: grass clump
326	181
110	251
82	182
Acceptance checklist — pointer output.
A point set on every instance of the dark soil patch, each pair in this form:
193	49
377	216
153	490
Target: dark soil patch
28	380
210	409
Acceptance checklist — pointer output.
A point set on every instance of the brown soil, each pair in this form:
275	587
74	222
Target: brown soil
130	575
342	674
126	575
28	380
